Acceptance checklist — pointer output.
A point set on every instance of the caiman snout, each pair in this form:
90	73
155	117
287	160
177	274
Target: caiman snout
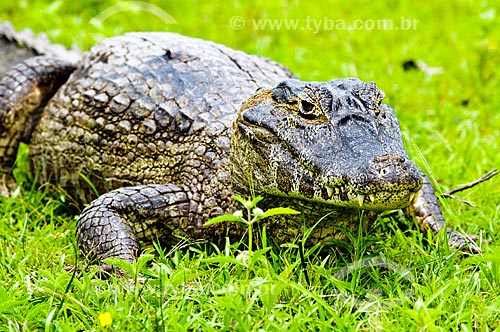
388	163
387	181
389	172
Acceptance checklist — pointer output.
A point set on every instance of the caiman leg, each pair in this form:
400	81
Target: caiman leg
113	224
24	91
427	213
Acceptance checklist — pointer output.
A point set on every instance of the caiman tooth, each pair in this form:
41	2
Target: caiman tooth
361	199
372	197
337	191
329	190
414	197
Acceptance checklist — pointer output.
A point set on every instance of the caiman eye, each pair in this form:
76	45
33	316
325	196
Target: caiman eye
307	110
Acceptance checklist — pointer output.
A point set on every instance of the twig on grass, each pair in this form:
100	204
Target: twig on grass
462	187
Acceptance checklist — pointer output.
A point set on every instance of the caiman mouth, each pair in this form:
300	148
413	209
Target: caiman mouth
383	199
387	181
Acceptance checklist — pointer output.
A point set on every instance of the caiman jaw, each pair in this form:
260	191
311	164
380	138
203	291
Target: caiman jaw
380	200
412	197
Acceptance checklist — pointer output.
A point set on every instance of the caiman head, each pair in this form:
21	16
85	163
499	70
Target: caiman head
332	142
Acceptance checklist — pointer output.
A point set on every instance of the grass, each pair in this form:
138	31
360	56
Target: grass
451	119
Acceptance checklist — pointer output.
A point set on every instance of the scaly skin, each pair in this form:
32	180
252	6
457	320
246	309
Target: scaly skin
28	82
35	80
18	46
154	121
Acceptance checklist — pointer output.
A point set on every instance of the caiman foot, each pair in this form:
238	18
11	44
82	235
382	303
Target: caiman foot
425	210
112	225
464	242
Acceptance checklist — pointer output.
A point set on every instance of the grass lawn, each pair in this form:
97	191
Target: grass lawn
391	280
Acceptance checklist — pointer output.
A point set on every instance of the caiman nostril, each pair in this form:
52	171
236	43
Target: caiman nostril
387	158
381	158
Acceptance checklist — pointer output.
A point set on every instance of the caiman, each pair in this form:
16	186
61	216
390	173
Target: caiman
168	128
